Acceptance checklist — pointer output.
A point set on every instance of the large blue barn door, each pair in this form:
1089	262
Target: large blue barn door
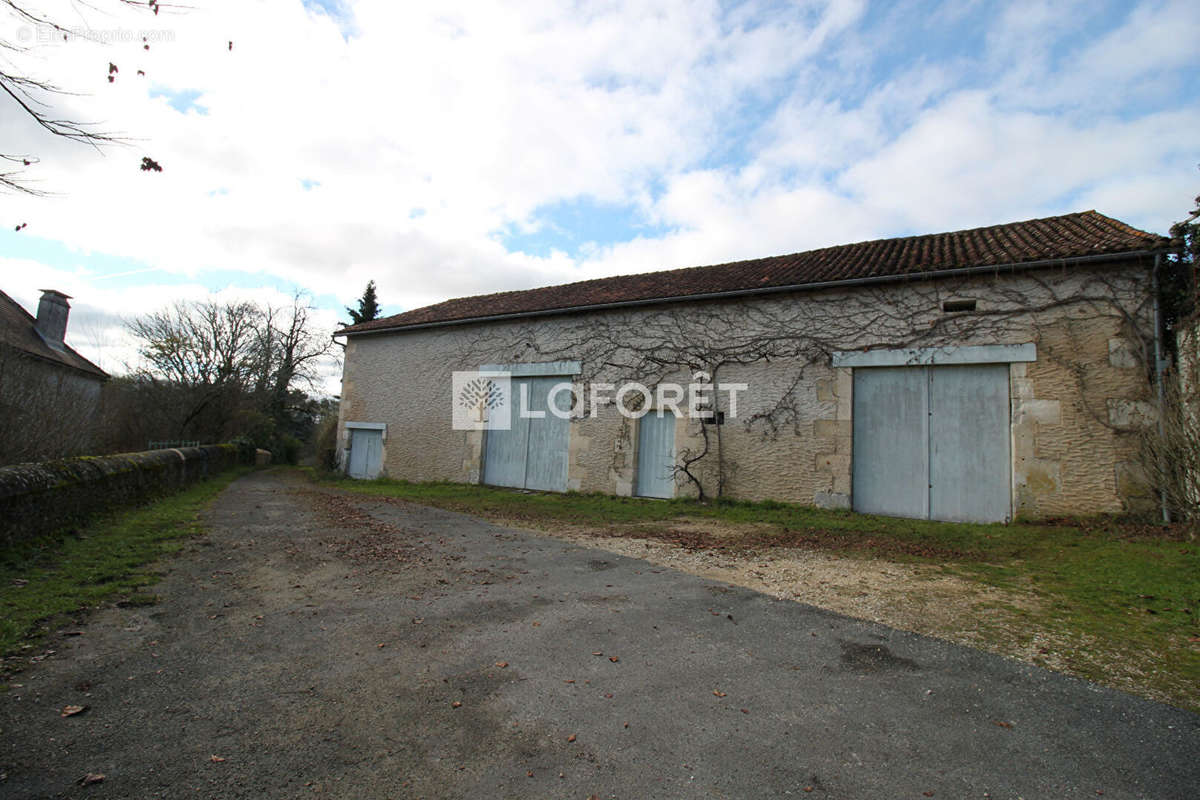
933	442
532	452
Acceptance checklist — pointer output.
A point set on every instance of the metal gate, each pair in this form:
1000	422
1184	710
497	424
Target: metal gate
656	455
366	453
933	442
532	452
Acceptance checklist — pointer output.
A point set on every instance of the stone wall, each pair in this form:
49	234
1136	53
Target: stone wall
1076	411
37	499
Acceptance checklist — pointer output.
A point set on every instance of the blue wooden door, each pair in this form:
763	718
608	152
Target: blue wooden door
366	453
656	455
532	452
969	443
546	463
933	442
891	441
504	448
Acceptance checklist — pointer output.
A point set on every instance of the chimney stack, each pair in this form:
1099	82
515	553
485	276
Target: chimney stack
52	317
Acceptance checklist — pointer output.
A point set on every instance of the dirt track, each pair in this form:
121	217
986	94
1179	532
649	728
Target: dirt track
317	644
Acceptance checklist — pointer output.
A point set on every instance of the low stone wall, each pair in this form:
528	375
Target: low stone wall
36	499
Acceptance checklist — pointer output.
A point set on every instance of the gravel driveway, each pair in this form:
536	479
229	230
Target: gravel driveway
318	644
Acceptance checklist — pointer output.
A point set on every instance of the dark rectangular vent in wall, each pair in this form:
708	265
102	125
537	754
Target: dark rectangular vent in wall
958	305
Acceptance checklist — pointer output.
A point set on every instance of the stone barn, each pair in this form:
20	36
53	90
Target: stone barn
984	375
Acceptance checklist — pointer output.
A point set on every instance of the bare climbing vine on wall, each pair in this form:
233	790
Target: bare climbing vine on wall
797	332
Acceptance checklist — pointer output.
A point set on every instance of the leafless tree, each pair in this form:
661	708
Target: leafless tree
207	349
1171	453
287	351
38	98
225	363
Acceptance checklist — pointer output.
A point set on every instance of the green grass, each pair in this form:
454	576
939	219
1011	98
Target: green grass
1131	591
43	581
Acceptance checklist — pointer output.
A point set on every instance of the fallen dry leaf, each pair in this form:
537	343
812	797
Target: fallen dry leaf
598	653
456	704
90	778
571	738
216	759
1002	724
745	711
501	664
613	659
718	693
70	711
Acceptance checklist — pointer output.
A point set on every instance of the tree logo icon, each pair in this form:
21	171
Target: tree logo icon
479	396
480	400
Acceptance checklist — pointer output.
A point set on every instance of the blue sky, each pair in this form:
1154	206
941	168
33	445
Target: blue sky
455	148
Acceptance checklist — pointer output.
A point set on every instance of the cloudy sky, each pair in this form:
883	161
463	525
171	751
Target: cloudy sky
452	148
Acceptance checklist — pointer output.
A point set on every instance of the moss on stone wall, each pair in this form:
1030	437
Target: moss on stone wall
41	498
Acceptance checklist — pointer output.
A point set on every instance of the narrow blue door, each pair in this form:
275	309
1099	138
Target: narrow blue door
656	455
546	462
891	441
505	446
969	443
366	453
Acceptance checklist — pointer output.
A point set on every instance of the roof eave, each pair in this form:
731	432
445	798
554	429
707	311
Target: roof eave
797	287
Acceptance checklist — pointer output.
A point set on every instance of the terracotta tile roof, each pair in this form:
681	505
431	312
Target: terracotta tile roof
1070	236
17	331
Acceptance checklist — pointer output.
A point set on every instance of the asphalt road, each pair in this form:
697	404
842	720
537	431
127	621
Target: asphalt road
320	645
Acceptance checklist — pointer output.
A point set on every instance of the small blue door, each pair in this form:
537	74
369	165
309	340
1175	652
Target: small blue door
656	455
366	453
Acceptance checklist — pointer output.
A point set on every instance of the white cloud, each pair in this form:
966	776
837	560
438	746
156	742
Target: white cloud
479	114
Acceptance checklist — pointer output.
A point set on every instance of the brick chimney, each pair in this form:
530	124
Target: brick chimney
51	323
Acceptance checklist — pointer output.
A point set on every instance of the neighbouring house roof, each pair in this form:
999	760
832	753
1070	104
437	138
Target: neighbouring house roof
1086	234
17	331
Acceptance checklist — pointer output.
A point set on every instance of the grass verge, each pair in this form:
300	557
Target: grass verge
1127	595
43	581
